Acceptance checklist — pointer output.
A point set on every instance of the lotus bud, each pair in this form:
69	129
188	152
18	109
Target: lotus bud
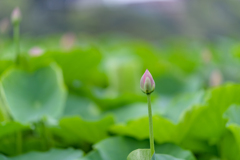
16	16
36	51
68	41
216	78
206	56
147	83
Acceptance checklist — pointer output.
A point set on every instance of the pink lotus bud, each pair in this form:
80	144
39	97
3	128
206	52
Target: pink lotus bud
68	41
36	52
206	56
16	16
147	83
216	78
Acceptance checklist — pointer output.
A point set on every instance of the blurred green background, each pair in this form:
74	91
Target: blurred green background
76	90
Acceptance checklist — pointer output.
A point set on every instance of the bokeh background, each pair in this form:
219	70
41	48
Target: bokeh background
102	48
151	20
173	29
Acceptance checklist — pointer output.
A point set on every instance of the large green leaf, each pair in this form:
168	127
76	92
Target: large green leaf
181	103
81	106
128	112
30	96
174	150
84	130
80	65
164	130
112	101
145	154
172	112
4	64
232	114
203	111
166	157
230	144
53	154
140	154
208	116
118	148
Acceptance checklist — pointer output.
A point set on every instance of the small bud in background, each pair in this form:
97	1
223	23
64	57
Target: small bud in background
4	25
36	52
206	56
215	78
68	40
147	83
16	16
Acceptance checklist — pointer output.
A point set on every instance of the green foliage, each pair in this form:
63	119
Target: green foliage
80	106
230	145
88	98
53	154
107	149
88	131
29	96
199	128
145	154
86	73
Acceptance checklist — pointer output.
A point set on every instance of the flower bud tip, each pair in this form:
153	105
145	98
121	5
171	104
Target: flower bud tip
147	83
16	16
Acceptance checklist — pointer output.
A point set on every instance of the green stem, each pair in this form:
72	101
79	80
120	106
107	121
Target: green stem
150	125
19	142
46	135
16	34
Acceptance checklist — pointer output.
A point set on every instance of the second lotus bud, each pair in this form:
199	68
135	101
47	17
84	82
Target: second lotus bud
16	16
